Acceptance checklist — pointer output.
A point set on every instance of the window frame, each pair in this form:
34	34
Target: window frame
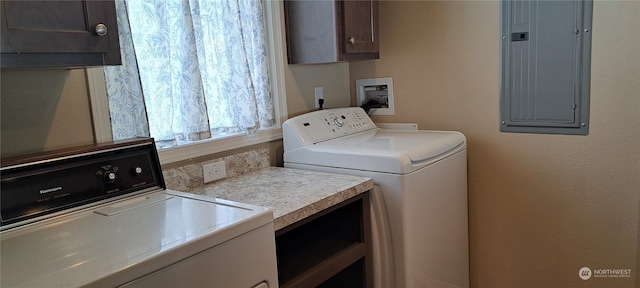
275	48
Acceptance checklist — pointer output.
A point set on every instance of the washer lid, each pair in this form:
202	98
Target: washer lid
118	242
382	150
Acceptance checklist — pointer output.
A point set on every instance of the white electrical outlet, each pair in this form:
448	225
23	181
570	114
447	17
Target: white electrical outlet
318	92
214	171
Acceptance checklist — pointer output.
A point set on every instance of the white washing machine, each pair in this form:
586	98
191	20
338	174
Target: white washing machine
100	217
420	212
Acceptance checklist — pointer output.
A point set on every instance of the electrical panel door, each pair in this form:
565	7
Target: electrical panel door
545	67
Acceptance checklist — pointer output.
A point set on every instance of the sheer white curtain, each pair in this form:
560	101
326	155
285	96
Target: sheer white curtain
191	69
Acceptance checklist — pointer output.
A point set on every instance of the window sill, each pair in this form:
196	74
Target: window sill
216	145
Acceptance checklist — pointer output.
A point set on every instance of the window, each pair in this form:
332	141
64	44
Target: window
187	68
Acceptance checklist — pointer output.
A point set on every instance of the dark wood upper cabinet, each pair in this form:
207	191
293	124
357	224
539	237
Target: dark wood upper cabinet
331	31
360	23
59	34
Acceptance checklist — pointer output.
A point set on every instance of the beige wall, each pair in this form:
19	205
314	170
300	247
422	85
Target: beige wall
43	110
541	206
301	79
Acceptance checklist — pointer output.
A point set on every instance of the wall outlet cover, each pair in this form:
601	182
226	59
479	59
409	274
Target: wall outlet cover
214	171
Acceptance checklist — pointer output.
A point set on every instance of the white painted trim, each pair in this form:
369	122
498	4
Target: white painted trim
212	146
99	105
274	25
398	126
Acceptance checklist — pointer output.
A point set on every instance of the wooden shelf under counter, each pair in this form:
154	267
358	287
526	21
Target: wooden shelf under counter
330	248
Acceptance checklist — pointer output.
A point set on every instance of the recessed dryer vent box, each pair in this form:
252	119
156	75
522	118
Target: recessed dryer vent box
376	89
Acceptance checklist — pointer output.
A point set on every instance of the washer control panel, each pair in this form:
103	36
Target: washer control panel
322	125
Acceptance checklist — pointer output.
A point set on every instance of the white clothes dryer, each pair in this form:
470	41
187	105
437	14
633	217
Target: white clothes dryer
100	216
420	211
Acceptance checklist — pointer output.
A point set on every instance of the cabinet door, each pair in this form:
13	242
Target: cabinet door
331	31
360	24
59	33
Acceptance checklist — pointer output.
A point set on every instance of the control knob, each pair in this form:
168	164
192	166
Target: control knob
136	171
110	176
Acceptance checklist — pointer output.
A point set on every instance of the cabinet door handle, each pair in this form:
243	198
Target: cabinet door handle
352	40
101	29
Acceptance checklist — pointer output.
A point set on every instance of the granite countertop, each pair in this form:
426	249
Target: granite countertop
292	194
